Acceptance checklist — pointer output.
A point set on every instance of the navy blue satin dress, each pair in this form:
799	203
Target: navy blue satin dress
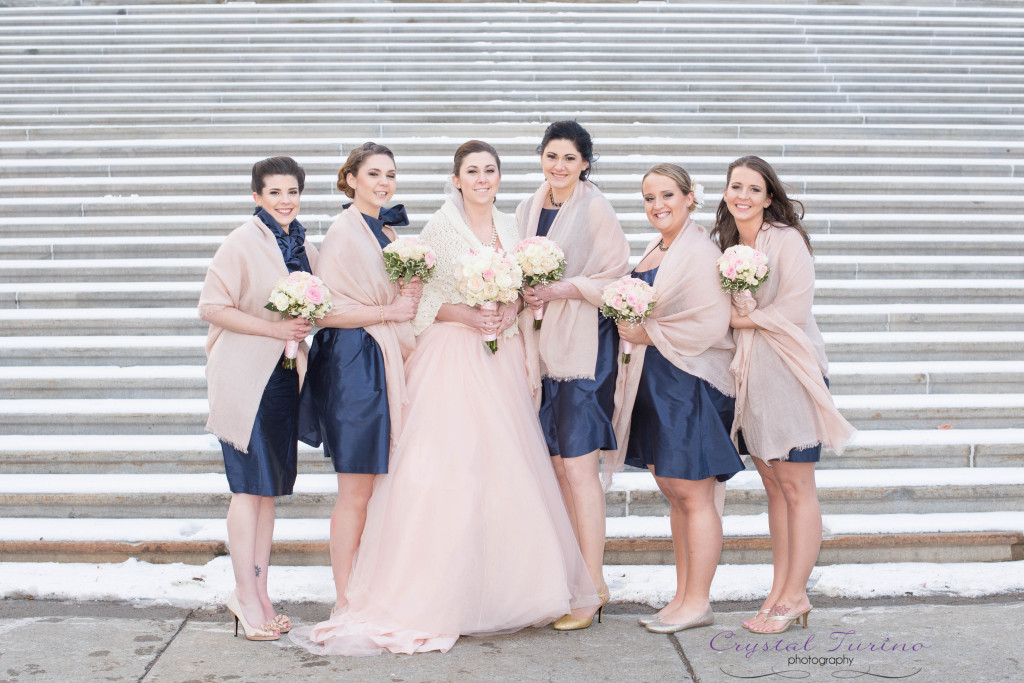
344	401
270	466
576	415
680	423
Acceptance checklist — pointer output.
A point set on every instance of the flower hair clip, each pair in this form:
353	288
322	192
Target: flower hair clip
698	196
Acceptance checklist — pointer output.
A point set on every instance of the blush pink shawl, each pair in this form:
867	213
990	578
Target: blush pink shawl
352	266
781	398
689	325
596	254
242	274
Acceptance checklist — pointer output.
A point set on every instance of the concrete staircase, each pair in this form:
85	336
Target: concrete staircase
126	137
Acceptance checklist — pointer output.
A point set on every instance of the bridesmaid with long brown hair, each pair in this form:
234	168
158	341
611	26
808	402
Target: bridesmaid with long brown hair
784	412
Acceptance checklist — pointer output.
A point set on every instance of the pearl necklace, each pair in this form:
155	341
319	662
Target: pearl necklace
494	235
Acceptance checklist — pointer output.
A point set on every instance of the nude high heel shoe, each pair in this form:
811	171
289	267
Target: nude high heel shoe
780	614
264	632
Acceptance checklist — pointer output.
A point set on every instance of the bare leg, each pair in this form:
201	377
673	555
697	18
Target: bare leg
678	551
347	521
803	530
264	543
587	500
702	542
720	497
778	529
563	484
245	546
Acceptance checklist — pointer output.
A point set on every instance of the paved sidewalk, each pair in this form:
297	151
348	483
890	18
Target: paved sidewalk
973	642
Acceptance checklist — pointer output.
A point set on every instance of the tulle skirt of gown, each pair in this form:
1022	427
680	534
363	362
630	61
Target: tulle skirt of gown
467	534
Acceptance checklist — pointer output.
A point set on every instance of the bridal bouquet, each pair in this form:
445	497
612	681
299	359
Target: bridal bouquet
629	299
486	277
300	295
408	257
543	262
742	268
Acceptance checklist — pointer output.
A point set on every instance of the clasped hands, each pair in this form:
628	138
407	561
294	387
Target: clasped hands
634	333
403	308
494	321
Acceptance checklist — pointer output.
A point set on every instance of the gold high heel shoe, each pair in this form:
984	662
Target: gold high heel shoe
265	632
570	623
746	624
779	614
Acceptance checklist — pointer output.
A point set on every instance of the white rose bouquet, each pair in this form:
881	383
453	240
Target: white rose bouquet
408	257
543	262
486	277
299	295
630	299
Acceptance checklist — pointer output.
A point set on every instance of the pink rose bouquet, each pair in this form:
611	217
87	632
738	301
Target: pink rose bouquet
543	262
485	277
630	299
299	295
408	257
742	268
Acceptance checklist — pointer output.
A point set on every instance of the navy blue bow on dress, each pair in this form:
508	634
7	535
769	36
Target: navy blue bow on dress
291	243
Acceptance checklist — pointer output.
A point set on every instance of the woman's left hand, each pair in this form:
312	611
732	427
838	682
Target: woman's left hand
412	290
633	333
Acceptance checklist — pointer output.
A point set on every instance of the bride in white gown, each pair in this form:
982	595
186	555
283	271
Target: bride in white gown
467	534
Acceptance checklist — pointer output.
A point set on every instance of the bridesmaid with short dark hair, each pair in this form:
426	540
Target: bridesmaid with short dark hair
253	399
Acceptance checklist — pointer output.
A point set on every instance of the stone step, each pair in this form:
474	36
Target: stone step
315	201
421	124
938	537
197	453
870	267
614	182
840	225
410	158
187	416
907	492
195	246
185	294
152	349
521	140
830	318
935	411
188	380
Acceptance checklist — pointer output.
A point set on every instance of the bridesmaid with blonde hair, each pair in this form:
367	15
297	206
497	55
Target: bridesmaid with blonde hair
576	348
355	385
673	400
784	412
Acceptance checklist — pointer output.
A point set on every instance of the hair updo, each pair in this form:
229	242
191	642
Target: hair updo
355	161
276	166
675	173
472	147
577	135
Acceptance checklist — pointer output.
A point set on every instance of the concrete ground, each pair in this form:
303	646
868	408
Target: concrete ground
965	641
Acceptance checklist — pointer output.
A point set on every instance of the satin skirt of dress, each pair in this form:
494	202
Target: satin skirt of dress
681	424
270	466
576	415
344	401
467	534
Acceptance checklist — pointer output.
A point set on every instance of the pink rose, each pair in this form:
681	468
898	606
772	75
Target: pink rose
315	295
761	270
730	273
428	259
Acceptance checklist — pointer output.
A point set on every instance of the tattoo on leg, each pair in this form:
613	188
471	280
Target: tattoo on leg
258	571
